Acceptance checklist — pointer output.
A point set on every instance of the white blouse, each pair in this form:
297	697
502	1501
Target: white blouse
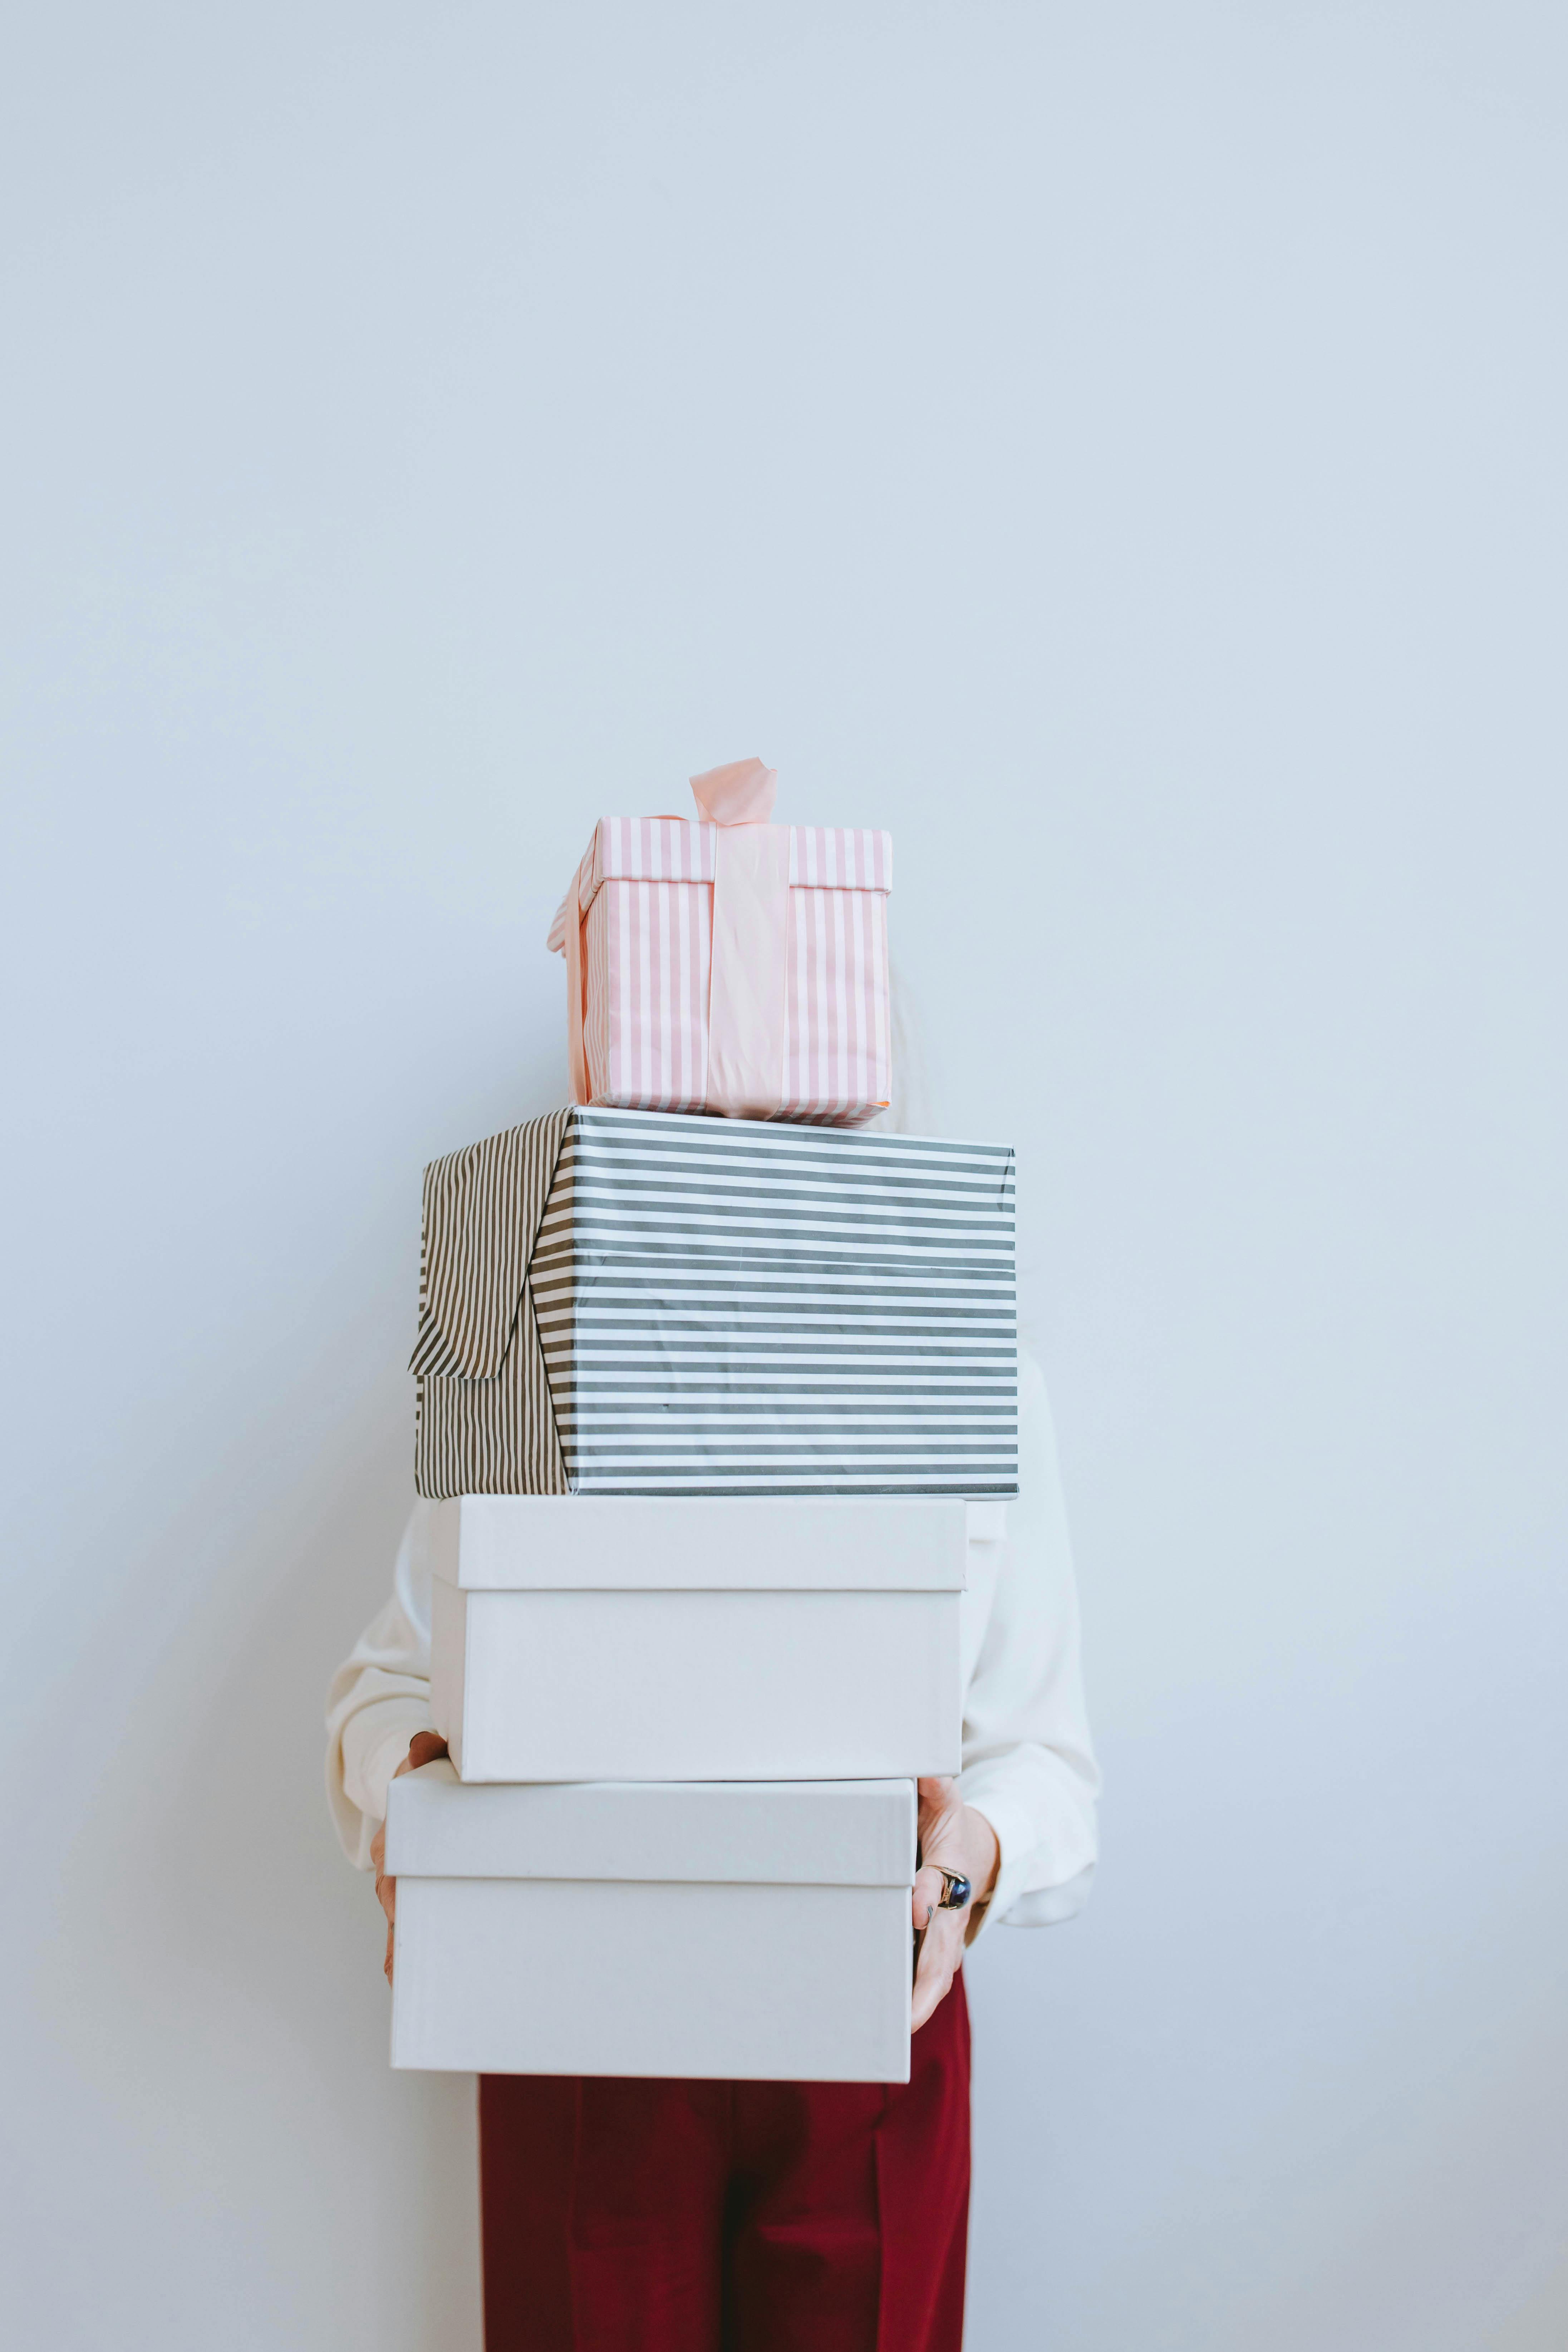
1029	1764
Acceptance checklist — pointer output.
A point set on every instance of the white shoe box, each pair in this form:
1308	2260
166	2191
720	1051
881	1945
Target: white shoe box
713	1638
757	1933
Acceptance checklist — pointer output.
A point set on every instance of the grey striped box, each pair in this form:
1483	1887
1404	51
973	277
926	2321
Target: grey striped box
622	1302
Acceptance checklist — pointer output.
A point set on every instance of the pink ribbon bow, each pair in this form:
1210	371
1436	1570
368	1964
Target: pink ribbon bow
741	793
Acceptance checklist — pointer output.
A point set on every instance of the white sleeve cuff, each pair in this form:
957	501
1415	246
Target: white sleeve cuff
1048	1907
1045	1827
1016	1839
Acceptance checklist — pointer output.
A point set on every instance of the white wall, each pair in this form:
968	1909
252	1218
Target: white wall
1120	449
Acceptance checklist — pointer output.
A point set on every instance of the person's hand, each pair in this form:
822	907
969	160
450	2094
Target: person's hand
956	1837
423	1749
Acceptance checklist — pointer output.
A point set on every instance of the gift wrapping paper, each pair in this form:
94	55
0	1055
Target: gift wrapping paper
634	1303
644	897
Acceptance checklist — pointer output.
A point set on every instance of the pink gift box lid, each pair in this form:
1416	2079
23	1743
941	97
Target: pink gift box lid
678	849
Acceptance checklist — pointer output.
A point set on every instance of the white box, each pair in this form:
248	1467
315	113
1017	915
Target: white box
709	1638
757	1933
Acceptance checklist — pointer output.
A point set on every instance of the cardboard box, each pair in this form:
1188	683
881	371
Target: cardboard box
708	1639
625	1302
734	1932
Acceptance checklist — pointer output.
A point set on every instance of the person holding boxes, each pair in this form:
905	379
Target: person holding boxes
730	1687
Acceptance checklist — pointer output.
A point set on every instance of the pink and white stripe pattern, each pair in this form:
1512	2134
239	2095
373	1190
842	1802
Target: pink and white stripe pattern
646	889
645	1030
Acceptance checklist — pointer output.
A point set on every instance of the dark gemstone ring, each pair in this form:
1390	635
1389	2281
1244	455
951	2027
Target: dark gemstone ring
956	1890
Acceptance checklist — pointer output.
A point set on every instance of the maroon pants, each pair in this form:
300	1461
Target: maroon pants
640	2216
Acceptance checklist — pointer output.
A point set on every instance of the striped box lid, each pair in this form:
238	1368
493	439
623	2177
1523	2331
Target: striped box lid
678	849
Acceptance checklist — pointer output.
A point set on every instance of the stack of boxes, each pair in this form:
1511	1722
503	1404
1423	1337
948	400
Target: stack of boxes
712	1410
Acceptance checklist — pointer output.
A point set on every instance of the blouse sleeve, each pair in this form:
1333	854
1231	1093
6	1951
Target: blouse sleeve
380	1697
1028	1761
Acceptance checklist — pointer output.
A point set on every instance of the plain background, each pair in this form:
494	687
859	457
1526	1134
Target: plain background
1121	451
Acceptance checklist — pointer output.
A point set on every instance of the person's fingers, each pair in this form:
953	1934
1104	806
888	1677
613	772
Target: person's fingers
423	1749
929	1883
941	1824
939	1805
941	1949
940	1958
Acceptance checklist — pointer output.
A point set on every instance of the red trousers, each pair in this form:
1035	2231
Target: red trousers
642	2216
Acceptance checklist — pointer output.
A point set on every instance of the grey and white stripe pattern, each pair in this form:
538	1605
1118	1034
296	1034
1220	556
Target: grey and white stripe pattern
483	1419
729	1306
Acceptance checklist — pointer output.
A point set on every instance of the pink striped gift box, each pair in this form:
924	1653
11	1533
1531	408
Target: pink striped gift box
643	899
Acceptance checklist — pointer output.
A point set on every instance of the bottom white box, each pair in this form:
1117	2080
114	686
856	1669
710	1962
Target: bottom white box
754	1932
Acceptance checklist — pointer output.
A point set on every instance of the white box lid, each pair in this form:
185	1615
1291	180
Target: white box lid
775	1833
804	1543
